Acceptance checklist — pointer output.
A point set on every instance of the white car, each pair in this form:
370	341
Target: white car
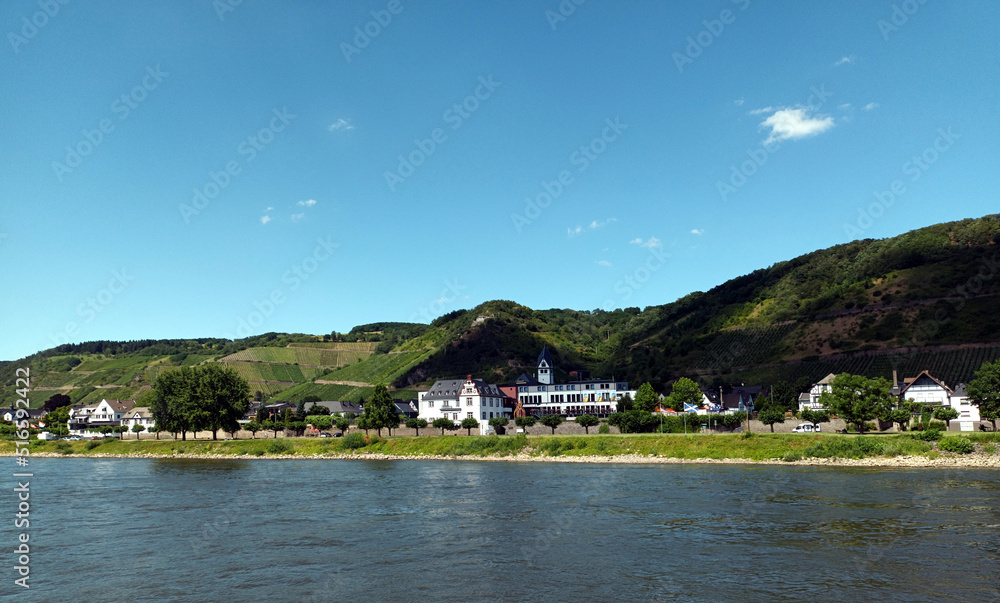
806	428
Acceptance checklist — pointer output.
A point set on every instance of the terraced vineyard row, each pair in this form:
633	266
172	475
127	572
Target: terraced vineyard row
382	368
256	371
336	392
743	347
344	346
311	356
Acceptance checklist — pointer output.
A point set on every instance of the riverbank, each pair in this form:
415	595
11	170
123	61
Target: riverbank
790	449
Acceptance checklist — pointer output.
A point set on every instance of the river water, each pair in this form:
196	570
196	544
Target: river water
282	530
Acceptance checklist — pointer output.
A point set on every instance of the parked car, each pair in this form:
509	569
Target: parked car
324	435
806	428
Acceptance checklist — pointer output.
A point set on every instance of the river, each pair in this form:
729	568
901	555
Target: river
324	530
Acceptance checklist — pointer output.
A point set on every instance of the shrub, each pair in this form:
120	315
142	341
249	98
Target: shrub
93	444
258	452
279	447
604	428
990	448
927	435
938	425
791	456
353	440
956	444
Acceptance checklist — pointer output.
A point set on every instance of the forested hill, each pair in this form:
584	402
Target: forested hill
926	299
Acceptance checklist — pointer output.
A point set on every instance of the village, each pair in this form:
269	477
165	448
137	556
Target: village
537	395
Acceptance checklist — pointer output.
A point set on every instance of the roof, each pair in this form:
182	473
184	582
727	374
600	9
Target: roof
546	356
910	382
447	389
525	379
142	411
959	391
826	380
335	406
120	405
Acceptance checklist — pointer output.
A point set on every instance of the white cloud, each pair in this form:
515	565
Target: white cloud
269	209
265	219
844	106
870	106
340	124
766	109
601	224
697	231
649	243
738	102
297	217
604	263
572	232
844	61
790	124
308	203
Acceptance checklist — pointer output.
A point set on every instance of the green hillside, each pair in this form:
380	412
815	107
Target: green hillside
927	299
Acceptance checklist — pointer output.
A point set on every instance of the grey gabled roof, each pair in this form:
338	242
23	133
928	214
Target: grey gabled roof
446	389
335	406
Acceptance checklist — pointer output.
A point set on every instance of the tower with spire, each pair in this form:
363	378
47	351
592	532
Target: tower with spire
545	367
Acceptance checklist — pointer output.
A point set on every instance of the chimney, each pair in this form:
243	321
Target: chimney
895	381
468	377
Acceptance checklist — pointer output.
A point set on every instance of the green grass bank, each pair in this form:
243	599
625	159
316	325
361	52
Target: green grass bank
756	448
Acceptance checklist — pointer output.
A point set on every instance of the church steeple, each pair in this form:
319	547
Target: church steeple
545	367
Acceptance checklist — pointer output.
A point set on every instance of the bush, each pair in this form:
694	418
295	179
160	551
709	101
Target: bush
604	428
279	447
956	444
927	435
93	444
938	425
353	441
990	448
792	456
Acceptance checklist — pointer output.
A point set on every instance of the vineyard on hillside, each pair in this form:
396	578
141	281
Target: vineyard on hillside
383	368
308	356
951	366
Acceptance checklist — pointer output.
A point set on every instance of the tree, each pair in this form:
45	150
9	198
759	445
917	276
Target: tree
770	416
901	416
416	424
253	427
587	421
469	423
137	429
645	399
858	399
204	397
321	422
553	421
343	424
984	391
685	391
223	397
300	410
499	423
57	418
56	401
287	418
363	423
381	411
625	404
946	414
525	422
443	424
785	395
274	426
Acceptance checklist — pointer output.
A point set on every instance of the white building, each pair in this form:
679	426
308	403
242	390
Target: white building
810	400
86	419
456	399
925	389
968	413
541	395
140	415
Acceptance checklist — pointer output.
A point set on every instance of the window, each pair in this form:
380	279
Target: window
468	401
468	415
430	404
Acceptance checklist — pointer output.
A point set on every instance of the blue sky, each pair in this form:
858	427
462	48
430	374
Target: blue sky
177	169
